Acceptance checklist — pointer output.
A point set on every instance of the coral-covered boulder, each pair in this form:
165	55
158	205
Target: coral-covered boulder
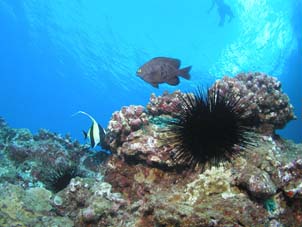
123	122
167	104
262	96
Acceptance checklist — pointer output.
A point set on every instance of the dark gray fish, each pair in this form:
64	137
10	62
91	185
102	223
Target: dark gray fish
96	133
163	70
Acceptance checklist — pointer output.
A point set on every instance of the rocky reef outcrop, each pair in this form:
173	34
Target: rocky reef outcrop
139	184
263	97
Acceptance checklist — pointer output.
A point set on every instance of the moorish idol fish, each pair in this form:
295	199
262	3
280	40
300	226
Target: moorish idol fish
96	133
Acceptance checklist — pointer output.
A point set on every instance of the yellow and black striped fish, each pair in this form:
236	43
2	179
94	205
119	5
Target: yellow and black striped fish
96	133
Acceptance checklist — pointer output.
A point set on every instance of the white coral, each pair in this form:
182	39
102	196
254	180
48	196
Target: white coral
213	181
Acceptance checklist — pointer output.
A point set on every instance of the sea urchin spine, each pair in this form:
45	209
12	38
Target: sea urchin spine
210	128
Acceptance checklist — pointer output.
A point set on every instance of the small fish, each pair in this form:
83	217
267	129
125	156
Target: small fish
163	70
96	133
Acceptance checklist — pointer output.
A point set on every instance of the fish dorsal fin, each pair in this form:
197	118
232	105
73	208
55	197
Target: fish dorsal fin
102	131
82	112
172	61
85	134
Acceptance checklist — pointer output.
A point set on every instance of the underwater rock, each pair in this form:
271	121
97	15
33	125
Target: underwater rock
94	161
148	142
140	184
89	201
263	97
123	122
221	196
249	184
291	178
166	104
141	147
45	158
213	181
257	182
31	207
136	181
145	144
212	211
70	200
38	199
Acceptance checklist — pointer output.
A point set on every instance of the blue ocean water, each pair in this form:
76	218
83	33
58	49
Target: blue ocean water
58	57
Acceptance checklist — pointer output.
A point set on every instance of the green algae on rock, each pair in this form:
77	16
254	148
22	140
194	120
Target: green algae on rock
31	207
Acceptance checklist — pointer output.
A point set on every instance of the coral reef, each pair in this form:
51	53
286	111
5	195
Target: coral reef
124	122
140	185
31	207
250	191
169	104
43	159
264	96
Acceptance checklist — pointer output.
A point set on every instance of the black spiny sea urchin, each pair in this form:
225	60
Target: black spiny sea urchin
209	128
58	177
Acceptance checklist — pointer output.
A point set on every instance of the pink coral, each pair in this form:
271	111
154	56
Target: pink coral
263	97
169	104
123	122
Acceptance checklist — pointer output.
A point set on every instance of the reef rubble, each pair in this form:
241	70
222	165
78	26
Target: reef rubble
49	180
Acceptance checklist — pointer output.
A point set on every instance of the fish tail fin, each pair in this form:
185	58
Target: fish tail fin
85	134
185	72
82	112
